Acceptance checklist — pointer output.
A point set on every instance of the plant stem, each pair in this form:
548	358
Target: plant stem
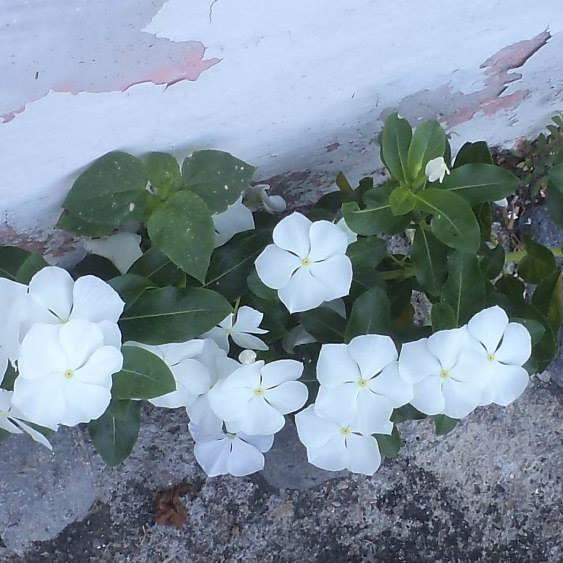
408	272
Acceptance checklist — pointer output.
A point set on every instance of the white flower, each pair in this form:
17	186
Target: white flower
65	374
360	382
307	263
444	383
501	202
56	298
10	420
497	349
123	249
195	367
256	396
237	218
241	328
297	336
350	234
13	304
258	195
335	445
247	357
229	453
436	169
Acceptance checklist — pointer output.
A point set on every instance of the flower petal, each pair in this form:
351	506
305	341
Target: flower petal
292	234
338	403
372	352
220	336
249	341
79	340
84	402
363	454
111	332
336	366
35	435
516	345
95	300
327	239
39	400
488	326
276	373
41	353
237	218
248	320
51	289
213	456
416	362
203	418
509	383
391	385
287	397
428	397
446	345
247	376
332	456
373	413
460	398
335	274
260	418
229	404
313	430
275	266
303	292
100	366
244	459
262	443
123	249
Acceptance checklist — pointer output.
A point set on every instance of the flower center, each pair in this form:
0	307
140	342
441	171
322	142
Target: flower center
345	431
231	435
69	374
491	357
306	262
259	391
444	374
362	383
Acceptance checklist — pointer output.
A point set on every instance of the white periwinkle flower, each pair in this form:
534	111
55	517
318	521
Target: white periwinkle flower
11	420
237	218
498	349
222	452
241	328
360	382
444	383
56	298
436	169
256	396
258	196
123	249
14	307
307	263
336	444
65	374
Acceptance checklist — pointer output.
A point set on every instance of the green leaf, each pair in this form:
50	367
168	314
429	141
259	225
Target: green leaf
478	182
157	267
367	252
170	314
464	289
512	287
484	215
407	412
259	289
492	260
402	200
389	446
471	153
232	263
8	378
377	217
217	177
324	324
547	299
555	177
110	191
554	202
444	424
19	265
428	142
114	434
538	264
443	317
346	189
73	224
429	256
371	314
453	220
94	265
182	228
143	376
395	142
163	173
130	287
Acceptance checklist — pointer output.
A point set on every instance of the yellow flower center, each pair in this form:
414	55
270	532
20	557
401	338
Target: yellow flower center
259	391
305	262
491	357
69	374
444	374
345	431
362	383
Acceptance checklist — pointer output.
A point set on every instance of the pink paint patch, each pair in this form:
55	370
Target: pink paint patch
504	102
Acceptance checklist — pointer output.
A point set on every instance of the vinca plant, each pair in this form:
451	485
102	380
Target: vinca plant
201	292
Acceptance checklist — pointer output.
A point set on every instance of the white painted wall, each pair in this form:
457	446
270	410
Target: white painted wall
297	86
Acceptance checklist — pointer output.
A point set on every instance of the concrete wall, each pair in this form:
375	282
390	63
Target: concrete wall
297	87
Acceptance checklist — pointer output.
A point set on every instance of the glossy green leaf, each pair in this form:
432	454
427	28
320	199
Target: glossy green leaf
157	267
110	191
471	153
443	317
130	287
366	252
430	259
395	142
479	182
538	264
19	265
453	220
71	223
163	173
143	376
183	230
547	299
428	142
217	177
512	287
492	260
389	445
464	289
170	314
376	217
232	263
554	203
556	177
444	424
324	324
259	289
371	314
114	434
402	200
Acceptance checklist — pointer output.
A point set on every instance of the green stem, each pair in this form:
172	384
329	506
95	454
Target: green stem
517	255
408	272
